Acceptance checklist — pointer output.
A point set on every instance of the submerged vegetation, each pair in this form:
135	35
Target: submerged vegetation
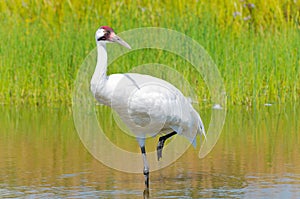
255	45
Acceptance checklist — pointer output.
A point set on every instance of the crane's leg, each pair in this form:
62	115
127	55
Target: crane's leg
146	166
161	142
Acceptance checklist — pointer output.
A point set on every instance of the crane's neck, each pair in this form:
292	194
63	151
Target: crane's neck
99	77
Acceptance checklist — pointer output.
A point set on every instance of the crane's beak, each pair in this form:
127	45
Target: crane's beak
117	39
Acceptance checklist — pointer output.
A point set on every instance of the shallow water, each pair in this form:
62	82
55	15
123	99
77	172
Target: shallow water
257	156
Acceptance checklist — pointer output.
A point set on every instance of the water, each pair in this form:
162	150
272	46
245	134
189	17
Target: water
257	156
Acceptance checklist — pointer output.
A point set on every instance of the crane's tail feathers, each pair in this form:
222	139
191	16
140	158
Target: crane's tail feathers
201	129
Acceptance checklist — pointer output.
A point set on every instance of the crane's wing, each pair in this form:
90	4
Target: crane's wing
150	105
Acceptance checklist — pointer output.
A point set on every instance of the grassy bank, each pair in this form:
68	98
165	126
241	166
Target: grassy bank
255	45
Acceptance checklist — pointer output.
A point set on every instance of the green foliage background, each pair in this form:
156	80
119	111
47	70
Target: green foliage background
254	43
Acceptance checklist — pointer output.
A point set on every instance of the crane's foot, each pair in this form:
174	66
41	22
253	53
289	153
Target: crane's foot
161	142
146	193
146	190
146	174
160	146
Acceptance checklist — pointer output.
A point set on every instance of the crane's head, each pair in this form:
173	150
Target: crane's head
107	34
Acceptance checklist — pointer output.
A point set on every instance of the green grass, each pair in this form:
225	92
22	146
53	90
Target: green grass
43	44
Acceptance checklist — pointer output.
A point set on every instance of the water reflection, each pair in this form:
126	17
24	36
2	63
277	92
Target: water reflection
257	156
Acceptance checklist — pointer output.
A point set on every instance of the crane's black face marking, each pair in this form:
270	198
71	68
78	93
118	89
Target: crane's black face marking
105	36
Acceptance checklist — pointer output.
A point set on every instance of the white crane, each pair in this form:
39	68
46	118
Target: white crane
147	105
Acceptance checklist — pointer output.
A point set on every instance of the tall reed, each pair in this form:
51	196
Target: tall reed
255	45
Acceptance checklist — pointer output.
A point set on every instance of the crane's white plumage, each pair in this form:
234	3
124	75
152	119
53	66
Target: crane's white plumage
147	105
